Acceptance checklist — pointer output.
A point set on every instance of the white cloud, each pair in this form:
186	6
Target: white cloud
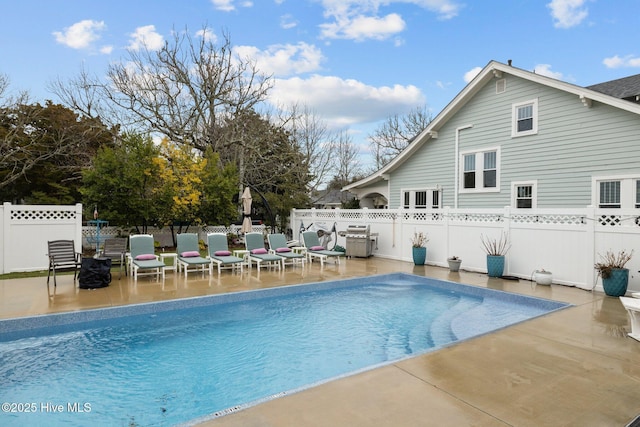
359	20
567	13
345	102
287	21
208	35
80	35
223	5
545	70
228	5
107	49
618	62
284	60
469	75
146	37
364	27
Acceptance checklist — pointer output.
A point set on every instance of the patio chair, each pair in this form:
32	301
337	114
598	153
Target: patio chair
254	243
63	256
218	253
278	246
189	258
115	248
143	258
315	250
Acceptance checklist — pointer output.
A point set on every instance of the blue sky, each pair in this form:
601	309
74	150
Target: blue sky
353	62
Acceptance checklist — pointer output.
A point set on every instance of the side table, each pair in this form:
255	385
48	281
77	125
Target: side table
173	255
244	254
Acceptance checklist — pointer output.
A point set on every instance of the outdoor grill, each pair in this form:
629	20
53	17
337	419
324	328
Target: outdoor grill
359	243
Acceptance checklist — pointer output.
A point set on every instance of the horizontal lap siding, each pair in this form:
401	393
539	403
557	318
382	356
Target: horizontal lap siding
573	144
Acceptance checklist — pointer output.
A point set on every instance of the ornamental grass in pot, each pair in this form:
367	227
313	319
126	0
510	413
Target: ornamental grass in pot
419	251
496	250
615	276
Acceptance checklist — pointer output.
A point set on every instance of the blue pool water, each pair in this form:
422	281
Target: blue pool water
169	363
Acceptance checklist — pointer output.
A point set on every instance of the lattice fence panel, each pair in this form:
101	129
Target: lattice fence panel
42	215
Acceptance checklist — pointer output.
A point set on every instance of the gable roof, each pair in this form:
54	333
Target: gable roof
493	70
625	88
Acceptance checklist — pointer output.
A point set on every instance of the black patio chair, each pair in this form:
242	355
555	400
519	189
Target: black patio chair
115	248
63	256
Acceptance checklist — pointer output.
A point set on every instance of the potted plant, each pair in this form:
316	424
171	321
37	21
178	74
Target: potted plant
542	277
496	250
615	277
418	242
454	263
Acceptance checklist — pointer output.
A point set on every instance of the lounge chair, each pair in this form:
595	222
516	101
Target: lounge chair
315	250
278	246
218	253
189	254
254	243
142	258
63	256
115	248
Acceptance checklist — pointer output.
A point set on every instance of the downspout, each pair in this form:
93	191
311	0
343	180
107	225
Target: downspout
456	173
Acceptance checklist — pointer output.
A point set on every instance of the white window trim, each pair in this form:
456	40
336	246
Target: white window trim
479	171
534	193
627	189
514	118
412	196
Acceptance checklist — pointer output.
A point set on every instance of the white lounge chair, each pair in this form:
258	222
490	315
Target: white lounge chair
278	246
254	243
315	250
142	257
189	258
219	254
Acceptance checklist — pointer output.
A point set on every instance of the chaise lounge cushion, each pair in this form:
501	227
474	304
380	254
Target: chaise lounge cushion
259	251
281	250
145	257
190	254
222	253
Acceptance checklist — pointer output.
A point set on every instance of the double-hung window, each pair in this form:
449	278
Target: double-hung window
609	194
421	198
616	192
525	118
480	170
524	194
490	170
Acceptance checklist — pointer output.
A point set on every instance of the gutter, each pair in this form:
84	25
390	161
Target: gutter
456	172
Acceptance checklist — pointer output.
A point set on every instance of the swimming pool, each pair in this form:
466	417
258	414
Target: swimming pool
172	362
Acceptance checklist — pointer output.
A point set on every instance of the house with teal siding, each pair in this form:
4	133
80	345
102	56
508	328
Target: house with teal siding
515	138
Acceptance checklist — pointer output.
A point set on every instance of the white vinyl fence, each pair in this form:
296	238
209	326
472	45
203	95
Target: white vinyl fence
26	229
566	242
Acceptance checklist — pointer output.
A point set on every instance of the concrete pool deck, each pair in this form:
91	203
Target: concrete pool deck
575	367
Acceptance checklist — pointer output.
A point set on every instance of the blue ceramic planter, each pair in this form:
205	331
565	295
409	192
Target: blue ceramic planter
495	265
419	255
616	284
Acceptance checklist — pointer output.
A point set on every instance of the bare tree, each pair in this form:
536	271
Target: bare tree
4	85
393	135
84	94
314	140
183	91
347	157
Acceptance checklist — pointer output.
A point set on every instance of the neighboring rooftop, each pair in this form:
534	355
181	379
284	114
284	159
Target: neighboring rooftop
627	88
